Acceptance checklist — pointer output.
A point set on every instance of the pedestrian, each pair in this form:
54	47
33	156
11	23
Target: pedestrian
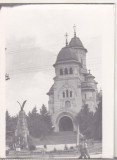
81	149
85	148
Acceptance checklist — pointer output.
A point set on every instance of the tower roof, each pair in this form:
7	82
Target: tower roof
66	54
76	42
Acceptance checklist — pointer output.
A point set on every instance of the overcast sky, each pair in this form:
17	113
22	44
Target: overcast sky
34	37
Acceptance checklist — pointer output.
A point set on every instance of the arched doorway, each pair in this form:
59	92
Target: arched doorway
65	124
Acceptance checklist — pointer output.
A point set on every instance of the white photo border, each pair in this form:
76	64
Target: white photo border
108	79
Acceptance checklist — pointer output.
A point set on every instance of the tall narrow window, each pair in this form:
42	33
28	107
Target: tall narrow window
85	96
66	93
66	71
63	94
61	72
71	71
70	93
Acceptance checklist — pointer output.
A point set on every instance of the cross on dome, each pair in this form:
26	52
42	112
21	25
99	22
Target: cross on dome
66	35
74	30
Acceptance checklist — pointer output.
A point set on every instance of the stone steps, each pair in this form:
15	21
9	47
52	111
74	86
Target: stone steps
57	138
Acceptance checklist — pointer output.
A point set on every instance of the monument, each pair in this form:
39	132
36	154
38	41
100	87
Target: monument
21	132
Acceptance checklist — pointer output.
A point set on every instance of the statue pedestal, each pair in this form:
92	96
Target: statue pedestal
22	131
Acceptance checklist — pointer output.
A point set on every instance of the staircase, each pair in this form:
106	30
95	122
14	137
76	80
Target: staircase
66	137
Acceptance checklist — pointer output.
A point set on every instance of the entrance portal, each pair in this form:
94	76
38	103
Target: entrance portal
65	124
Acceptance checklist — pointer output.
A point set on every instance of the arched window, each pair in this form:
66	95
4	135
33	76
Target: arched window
61	72
67	104
71	71
66	93
70	93
66	71
63	94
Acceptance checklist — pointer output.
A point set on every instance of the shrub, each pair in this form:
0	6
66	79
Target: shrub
32	147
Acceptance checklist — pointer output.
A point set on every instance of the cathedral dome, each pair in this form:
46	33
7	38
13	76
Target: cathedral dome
76	42
66	54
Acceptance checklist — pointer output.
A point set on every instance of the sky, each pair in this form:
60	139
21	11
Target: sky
34	37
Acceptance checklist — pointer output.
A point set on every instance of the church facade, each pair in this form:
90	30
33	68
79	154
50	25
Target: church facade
74	86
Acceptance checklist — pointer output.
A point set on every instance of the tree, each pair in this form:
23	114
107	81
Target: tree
43	110
39	124
97	122
8	119
8	125
46	120
32	147
84	120
90	124
11	123
33	120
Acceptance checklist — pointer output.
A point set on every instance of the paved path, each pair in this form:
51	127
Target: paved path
54	156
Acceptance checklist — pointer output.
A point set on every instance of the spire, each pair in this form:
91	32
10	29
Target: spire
66	35
74	30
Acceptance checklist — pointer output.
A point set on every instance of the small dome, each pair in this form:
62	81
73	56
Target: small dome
76	42
66	54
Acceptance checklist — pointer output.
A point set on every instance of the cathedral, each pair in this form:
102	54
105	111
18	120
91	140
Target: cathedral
74	86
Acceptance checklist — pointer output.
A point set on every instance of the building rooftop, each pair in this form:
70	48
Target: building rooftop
76	42
66	53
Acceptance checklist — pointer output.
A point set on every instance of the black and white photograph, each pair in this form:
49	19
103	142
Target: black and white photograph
53	80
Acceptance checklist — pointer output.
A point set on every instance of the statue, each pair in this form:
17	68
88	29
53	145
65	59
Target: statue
22	106
22	132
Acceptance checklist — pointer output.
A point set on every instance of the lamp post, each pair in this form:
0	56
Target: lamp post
78	135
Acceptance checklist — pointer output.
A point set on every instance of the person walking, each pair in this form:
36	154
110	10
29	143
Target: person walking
81	149
85	148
